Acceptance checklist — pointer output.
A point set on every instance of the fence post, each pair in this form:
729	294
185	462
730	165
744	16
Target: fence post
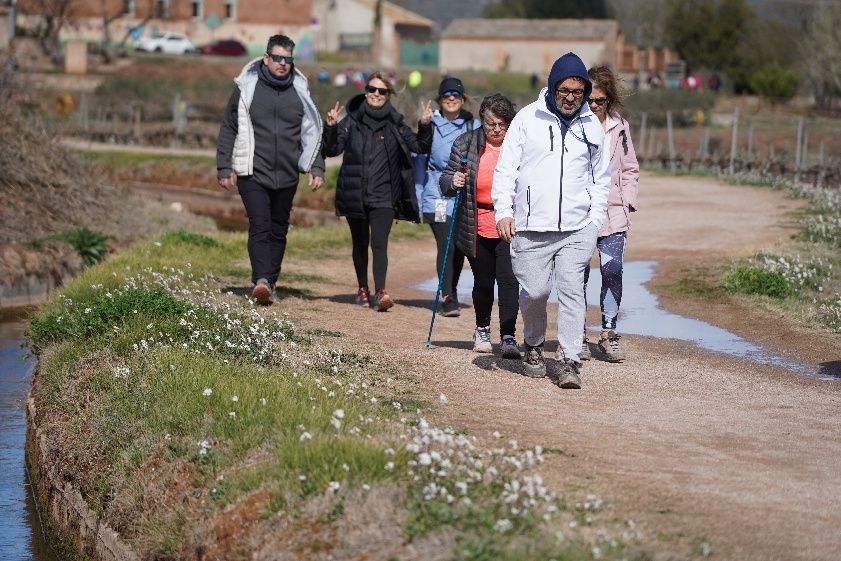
671	140
820	166
651	152
83	111
797	152
804	157
734	138
642	132
750	141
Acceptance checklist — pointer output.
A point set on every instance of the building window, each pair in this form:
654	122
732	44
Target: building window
128	7
197	9
162	9
230	9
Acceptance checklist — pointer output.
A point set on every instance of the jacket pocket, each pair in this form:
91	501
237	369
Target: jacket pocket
528	205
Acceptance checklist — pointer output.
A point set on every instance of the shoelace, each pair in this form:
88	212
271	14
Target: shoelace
509	341
535	355
484	335
613	341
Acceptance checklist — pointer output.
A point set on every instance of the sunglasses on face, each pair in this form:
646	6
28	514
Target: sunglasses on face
597	100
372	89
281	58
451	93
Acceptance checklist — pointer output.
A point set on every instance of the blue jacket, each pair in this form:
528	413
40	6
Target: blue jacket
428	167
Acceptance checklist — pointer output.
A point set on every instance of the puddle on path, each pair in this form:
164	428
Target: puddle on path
641	314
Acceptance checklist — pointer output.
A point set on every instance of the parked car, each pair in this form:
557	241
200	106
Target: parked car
170	43
226	47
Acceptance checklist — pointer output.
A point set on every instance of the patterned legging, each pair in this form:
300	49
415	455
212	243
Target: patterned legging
611	254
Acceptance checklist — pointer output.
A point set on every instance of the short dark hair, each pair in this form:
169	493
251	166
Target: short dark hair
603	78
281	41
500	106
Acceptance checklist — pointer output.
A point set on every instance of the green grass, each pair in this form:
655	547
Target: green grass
127	159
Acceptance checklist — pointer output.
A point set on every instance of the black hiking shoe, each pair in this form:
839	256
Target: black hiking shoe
450	307
533	362
509	347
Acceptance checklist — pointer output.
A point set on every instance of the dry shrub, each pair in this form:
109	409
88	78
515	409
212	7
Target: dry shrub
47	189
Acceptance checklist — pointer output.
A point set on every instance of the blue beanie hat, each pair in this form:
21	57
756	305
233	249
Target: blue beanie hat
565	67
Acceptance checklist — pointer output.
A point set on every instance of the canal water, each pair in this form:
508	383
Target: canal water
20	533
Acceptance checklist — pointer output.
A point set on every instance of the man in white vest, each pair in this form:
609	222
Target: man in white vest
270	133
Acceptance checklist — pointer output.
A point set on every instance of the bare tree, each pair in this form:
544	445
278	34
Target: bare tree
821	54
56	14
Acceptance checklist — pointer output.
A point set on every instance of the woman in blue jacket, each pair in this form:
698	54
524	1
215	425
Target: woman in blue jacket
449	122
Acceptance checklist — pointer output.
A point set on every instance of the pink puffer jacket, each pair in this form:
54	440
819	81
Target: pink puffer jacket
624	178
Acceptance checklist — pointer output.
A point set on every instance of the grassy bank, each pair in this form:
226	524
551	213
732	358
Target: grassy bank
799	280
201	426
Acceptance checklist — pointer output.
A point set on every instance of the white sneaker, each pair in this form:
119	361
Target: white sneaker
482	340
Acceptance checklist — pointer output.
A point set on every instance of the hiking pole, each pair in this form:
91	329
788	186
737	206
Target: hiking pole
464	162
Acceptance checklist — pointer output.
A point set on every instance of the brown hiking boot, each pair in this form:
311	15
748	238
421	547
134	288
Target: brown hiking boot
381	301
262	293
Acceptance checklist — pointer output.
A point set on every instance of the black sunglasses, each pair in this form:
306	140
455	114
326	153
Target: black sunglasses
597	100
372	89
281	58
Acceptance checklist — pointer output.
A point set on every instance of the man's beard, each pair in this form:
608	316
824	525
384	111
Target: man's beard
569	114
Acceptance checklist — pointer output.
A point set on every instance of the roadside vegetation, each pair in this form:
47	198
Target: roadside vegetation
801	279
199	425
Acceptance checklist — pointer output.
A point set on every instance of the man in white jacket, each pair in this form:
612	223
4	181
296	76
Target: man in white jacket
550	191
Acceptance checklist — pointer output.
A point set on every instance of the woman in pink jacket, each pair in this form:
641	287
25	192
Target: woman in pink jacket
605	102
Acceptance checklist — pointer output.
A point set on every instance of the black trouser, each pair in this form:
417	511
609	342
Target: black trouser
268	222
493	263
373	229
455	259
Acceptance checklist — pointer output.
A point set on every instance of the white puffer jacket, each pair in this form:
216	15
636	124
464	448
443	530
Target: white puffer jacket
242	158
549	181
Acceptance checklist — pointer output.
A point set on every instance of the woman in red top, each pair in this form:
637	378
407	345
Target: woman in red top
471	167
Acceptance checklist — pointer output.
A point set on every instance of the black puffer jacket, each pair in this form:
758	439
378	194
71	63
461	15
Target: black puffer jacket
348	136
470	146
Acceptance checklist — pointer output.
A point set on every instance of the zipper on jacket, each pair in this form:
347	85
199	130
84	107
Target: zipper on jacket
528	205
551	139
561	185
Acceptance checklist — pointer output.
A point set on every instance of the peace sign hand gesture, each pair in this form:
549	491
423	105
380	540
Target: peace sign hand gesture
334	115
426	112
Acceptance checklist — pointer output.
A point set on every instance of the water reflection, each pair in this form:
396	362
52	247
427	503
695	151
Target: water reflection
641	315
20	536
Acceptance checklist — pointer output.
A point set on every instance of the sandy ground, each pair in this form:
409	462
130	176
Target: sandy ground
693	446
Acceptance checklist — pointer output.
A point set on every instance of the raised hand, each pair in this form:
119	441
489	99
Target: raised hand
426	112
334	115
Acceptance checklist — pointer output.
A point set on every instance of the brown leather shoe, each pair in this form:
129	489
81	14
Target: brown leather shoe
262	293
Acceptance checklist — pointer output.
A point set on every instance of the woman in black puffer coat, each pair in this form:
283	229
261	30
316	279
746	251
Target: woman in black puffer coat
376	182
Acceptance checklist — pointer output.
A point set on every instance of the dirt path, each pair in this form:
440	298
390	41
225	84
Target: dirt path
692	446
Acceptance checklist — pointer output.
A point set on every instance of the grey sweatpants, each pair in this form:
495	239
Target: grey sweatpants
534	256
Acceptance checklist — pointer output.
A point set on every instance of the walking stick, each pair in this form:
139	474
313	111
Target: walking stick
464	162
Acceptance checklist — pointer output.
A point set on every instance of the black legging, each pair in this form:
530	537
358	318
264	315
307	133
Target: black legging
455	258
493	263
373	229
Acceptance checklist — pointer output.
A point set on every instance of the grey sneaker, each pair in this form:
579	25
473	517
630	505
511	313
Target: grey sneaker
482	340
534	363
568	376
585	353
509	348
262	293
611	349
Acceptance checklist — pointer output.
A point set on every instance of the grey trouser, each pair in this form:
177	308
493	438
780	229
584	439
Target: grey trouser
534	256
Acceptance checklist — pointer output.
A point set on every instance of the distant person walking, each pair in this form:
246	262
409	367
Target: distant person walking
270	133
471	167
550	192
605	102
448	123
376	182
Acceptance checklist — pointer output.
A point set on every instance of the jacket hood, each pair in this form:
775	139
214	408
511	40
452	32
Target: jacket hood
463	115
565	67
